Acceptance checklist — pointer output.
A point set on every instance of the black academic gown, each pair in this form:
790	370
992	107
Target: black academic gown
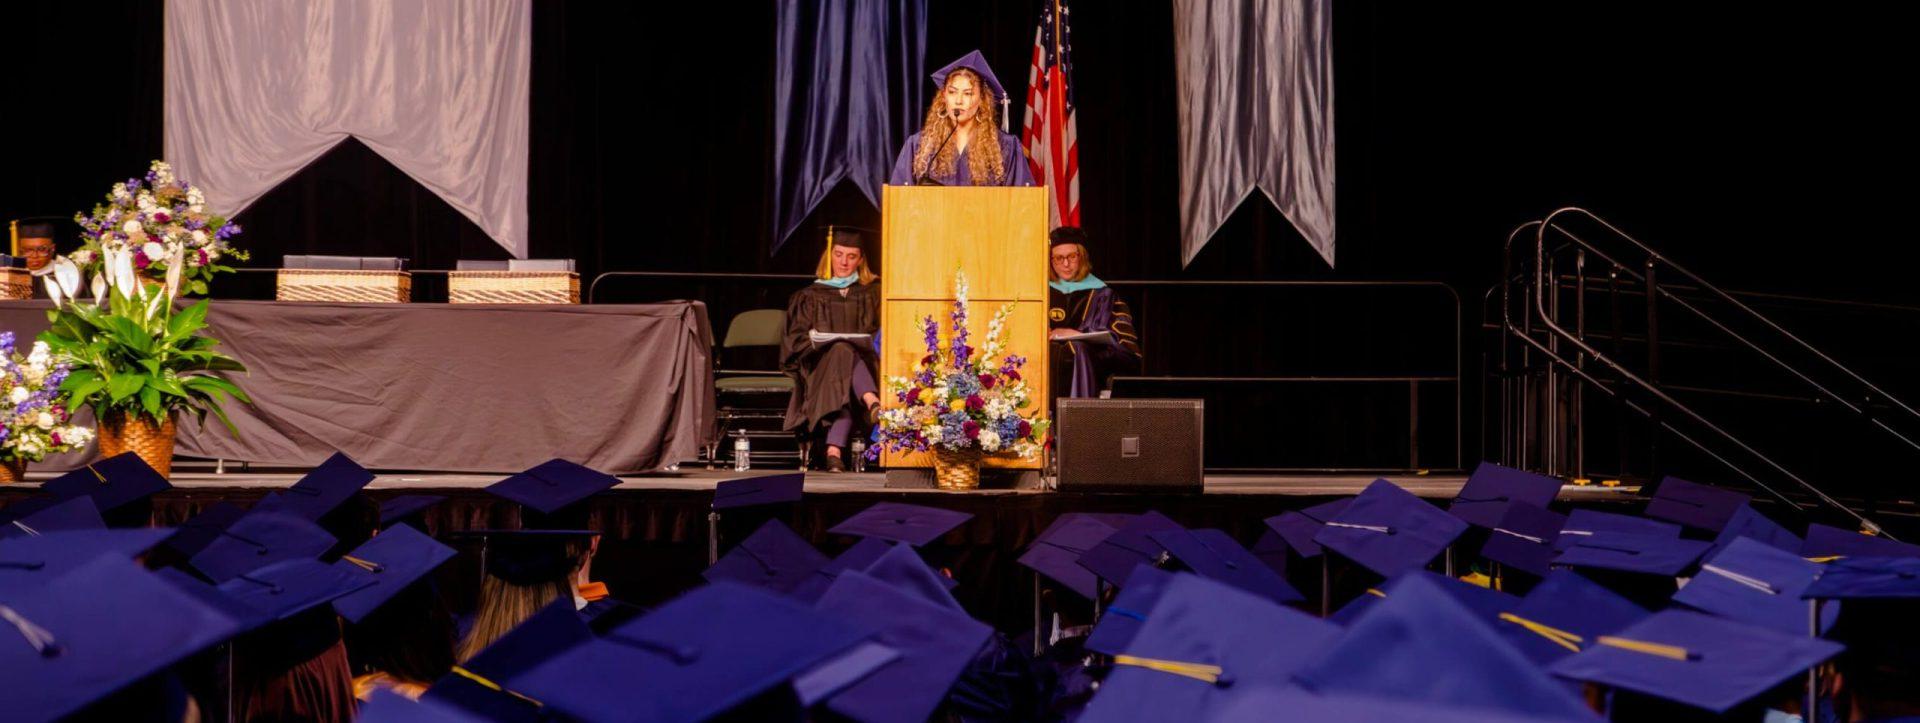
826	374
1080	369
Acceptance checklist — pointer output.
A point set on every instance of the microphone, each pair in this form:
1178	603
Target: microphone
926	176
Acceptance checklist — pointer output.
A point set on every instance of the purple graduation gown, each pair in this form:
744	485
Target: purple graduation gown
1010	158
1081	369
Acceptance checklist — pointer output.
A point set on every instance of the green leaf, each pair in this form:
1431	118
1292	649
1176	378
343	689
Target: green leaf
214	406
198	287
150	401
188	322
211	383
122	386
168	385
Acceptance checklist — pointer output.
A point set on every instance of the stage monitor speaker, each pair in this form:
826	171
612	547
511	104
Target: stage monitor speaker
1131	445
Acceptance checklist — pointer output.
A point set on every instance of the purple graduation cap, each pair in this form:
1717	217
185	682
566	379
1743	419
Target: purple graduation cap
1116	557
902	568
1564	614
1486	603
75	513
935	643
1299	527
385	706
1748	522
755	491
1695	659
1056	552
1203	645
1271	549
1215	555
1860	578
1632	552
257	539
287	588
1259	706
482	686
398	509
1695	505
1491	488
773	557
1389	530
977	63
393	559
30	561
1523	538
95	630
1825	541
1419	644
858	557
552	485
202	529
1754	584
249	617
325	488
1129	610
113	482
912	524
1584	523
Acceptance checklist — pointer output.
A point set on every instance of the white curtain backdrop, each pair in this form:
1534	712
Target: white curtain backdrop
257	89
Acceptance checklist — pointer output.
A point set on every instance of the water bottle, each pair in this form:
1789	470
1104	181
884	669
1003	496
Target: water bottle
741	452
859	455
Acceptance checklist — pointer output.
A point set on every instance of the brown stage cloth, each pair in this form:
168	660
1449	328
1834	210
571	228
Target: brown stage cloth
459	387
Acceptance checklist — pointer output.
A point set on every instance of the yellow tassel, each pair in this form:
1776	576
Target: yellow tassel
1670	652
1196	671
490	685
1559	637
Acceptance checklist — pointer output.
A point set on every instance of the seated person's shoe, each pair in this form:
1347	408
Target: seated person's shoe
835	464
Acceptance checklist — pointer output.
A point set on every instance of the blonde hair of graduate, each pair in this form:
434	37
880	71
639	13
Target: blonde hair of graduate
983	153
504	605
824	271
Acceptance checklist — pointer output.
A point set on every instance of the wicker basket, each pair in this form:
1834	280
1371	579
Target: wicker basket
153	442
513	287
956	469
13	470
373	287
16	284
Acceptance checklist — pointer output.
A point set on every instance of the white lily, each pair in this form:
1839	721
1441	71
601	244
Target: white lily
68	274
176	261
53	292
123	276
99	288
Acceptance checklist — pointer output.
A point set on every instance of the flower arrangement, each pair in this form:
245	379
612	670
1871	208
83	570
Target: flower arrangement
962	398
148	219
37	424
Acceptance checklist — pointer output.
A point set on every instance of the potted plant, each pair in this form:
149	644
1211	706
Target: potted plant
961	403
35	422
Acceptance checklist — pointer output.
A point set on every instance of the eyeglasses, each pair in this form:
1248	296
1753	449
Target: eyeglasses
36	251
1068	257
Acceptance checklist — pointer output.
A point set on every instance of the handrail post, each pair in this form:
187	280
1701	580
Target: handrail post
1577	428
1653	350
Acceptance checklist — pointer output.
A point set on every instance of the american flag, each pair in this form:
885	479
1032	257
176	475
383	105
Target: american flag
1049	135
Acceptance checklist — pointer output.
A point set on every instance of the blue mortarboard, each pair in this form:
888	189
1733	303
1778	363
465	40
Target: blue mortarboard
1564	614
385	706
911	524
1523	538
480	685
902	568
977	63
1583	523
1056	552
1633	552
33	560
1271	549
287	588
76	513
529	557
553	485
324	488
1419	644
1486	603
1695	505
1203	644
202	529
259	538
246	615
1492	487
1825	541
92	631
1696	659
1122	552
1748	522
773	557
1753	583
111	482
828	678
1215	555
394	559
1299	527
752	491
395	509
935	645
1261	705
1855	578
857	557
1389	530
1129	610
696	656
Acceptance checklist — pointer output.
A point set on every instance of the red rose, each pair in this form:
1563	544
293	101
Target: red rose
986	381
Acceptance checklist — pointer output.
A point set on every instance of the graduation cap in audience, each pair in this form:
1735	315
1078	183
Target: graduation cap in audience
407	509
827	678
1824	541
202	529
259	538
324	488
900	522
902	568
1389	530
1299	527
1419	644
285	589
1755	584
1695	505
700	655
1750	523
1215	555
1633	552
756	491
1563	615
1056	552
1129	610
482	684
1523	538
1696	659
1259	706
935	642
1202	645
1491	488
1584	523
551	487
77	513
249	617
530	557
93	631
1487	603
977	63
773	557
114	483
393	560
1866	578
33	560
385	706
1271	549
857	557
1115	558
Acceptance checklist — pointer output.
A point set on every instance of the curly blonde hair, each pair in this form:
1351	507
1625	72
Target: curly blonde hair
983	158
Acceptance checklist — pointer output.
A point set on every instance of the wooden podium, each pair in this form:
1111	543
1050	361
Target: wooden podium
998	236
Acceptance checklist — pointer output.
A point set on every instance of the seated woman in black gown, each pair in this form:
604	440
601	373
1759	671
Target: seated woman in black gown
1080	302
837	379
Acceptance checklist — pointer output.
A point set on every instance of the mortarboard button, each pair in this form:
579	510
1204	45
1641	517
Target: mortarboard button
1492	487
1388	530
1564	614
1695	659
1056	552
773	557
1214	555
259	538
1695	505
1115	558
393	559
1523	538
1754	584
553	485
1299	527
935	643
755	491
911	524
76	513
112	483
1824	541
